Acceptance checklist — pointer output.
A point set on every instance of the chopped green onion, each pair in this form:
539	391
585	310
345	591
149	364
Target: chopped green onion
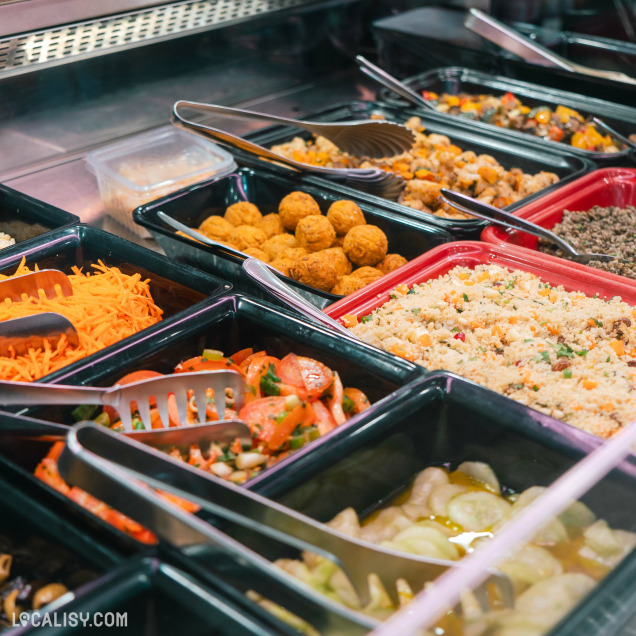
567	373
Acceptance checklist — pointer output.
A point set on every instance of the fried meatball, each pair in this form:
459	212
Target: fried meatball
257	253
347	285
344	215
217	228
243	213
314	270
339	259
365	245
247	236
294	253
339	241
367	274
296	206
275	246
271	225
391	262
315	233
283	265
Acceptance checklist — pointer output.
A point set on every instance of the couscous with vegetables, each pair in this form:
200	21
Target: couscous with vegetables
563	353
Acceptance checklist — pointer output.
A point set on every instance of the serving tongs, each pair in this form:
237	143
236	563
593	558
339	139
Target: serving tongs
21	334
501	217
141	393
529	50
94	456
372	180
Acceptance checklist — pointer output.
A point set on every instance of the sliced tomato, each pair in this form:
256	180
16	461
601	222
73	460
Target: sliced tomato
56	450
288	370
239	356
200	363
270	421
246	361
195	457
317	377
255	371
324	418
359	399
335	401
288	389
280	432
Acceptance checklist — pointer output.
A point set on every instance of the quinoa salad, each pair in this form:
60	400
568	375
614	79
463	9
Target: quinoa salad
563	353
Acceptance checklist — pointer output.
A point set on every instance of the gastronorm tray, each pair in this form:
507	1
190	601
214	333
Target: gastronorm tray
447	420
175	287
24	217
428	37
518	153
455	80
230	323
441	260
606	187
149	596
194	204
25	516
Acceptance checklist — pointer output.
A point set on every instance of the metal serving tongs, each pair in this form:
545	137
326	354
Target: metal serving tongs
529	50
93	453
21	334
120	397
372	180
500	217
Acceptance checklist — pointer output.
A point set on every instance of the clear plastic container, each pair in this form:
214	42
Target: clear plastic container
148	166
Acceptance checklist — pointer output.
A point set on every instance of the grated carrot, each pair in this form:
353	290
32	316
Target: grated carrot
106	307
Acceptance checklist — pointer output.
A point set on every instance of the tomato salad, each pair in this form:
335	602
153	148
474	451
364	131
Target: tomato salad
288	402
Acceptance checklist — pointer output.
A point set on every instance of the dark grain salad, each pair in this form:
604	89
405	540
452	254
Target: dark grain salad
610	230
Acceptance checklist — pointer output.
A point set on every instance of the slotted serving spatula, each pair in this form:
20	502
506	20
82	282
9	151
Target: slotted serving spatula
21	334
120	397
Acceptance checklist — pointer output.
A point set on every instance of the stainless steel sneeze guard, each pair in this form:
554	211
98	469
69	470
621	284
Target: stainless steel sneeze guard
39	49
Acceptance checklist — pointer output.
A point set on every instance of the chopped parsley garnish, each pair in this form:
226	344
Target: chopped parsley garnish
465	297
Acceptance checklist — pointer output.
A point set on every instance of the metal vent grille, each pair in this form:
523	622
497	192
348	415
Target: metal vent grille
85	39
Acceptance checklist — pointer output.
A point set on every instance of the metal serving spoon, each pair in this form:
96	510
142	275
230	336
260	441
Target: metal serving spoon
495	215
614	133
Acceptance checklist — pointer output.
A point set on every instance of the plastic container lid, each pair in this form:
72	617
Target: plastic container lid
148	166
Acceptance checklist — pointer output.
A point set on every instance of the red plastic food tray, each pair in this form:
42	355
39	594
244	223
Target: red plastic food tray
442	259
607	187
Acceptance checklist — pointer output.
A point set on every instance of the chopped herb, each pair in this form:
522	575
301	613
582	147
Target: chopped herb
465	297
270	381
459	311
583	352
481	349
510	284
517	386
529	340
455	329
416	310
514	307
411	291
393	296
348	405
365	318
567	373
598	323
535	387
608	359
565	351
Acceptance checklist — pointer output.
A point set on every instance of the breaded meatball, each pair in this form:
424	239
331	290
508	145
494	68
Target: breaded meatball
283	265
391	262
347	285
296	206
257	253
271	225
344	215
365	245
275	246
339	259
315	233
247	236
294	252
243	213
314	270
339	241
367	274
217	228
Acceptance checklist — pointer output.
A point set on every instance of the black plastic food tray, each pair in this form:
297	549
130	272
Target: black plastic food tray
150	597
444	421
510	153
193	205
23	517
174	287
429	37
230	324
455	80
24	217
